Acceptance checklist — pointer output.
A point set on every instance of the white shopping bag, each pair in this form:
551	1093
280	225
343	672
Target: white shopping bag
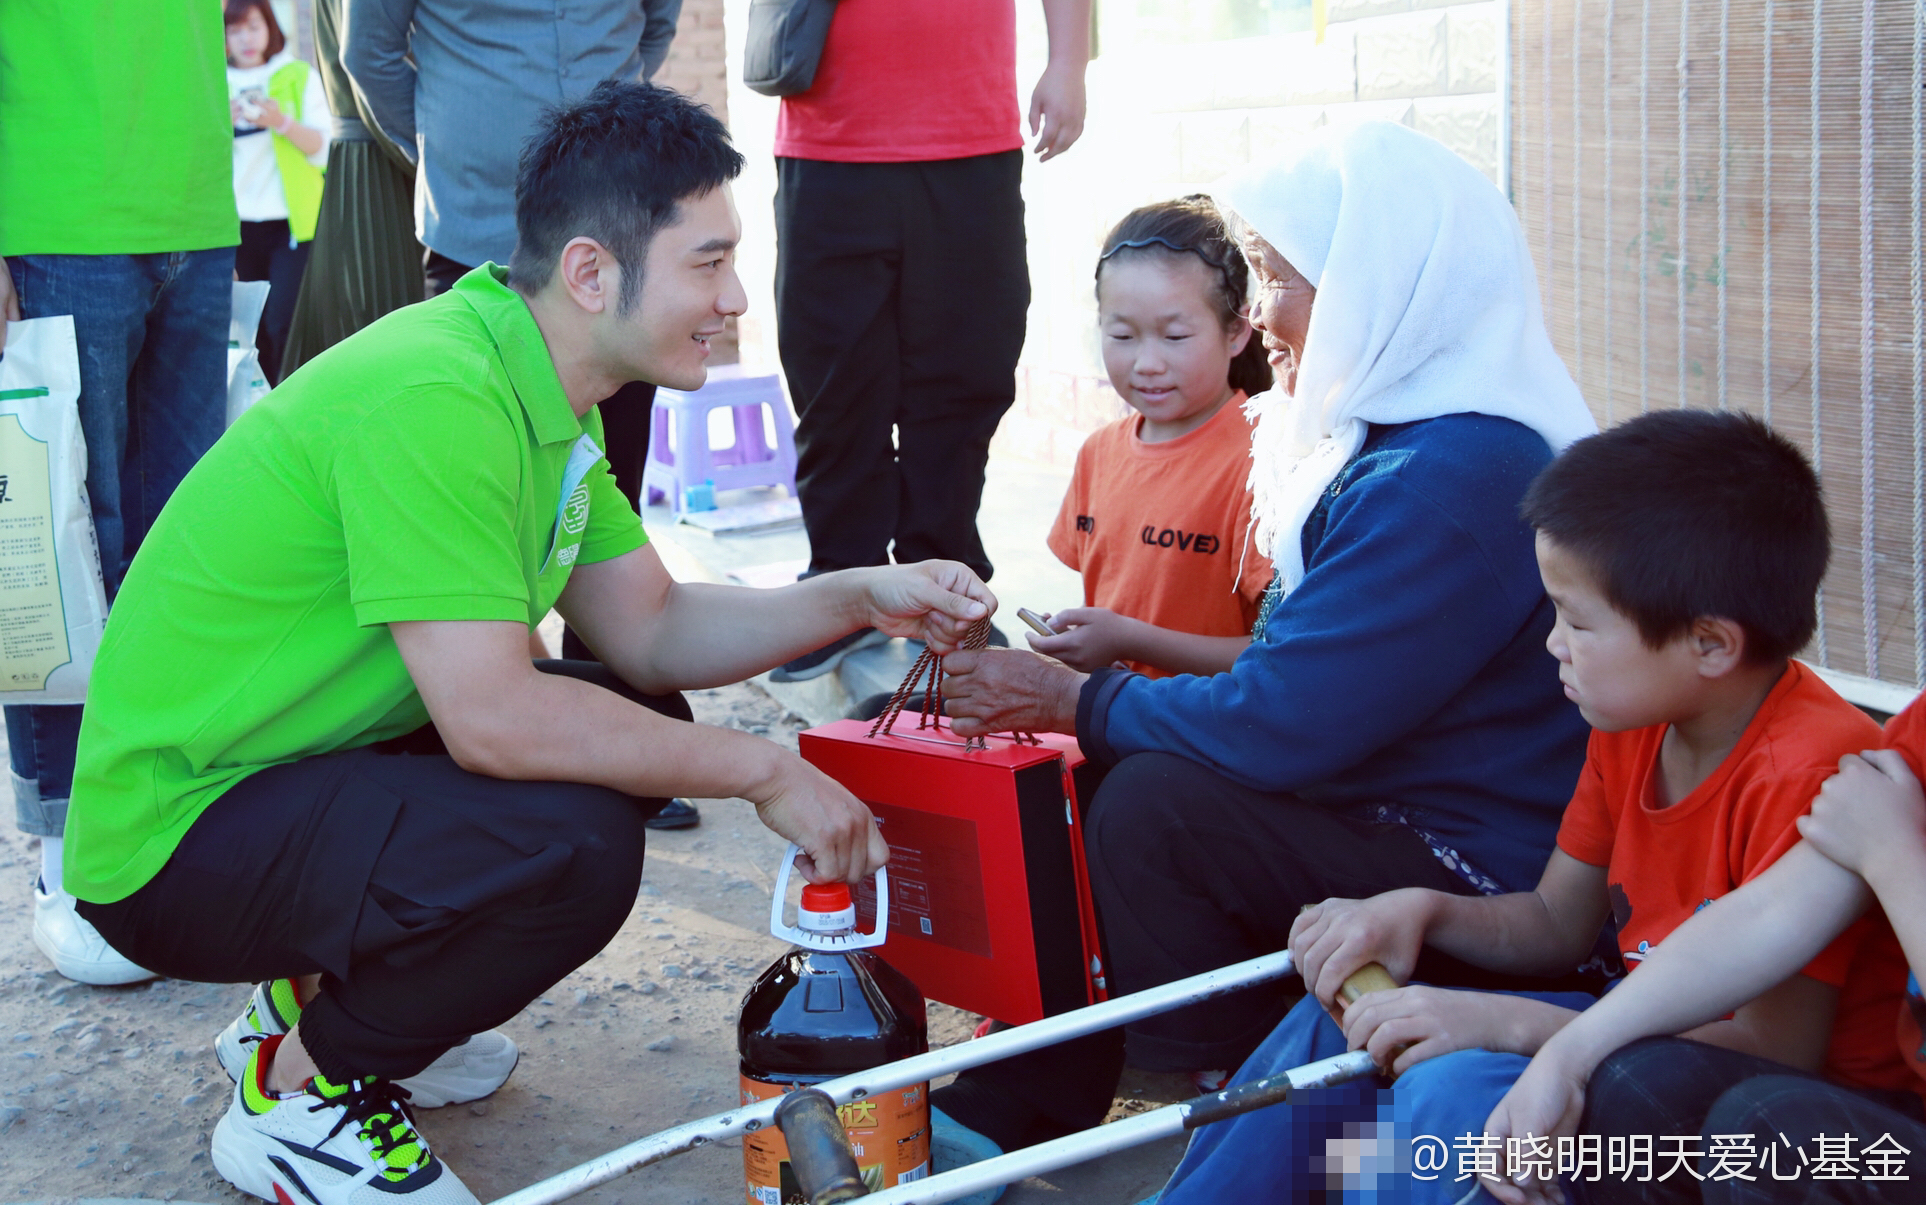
246	383
53	605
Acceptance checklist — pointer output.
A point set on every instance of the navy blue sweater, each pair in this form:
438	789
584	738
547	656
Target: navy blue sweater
1408	668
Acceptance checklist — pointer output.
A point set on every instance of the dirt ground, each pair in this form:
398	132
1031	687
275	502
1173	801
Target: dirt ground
113	1092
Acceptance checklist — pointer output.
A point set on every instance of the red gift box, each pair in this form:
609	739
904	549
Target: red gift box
989	905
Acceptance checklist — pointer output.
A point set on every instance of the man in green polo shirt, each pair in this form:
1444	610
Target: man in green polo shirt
317	755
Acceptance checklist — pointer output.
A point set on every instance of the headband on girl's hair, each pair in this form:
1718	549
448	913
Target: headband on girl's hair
1158	240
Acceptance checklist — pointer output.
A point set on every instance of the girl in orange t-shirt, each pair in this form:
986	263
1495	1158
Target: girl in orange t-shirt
1156	513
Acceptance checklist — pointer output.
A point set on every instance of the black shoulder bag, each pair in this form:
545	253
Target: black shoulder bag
785	43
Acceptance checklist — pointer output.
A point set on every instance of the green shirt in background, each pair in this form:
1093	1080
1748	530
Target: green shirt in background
428	467
115	137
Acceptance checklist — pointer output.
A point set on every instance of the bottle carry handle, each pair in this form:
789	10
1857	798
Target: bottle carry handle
829	943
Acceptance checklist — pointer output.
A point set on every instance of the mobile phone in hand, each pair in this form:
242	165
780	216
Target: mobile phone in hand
1035	621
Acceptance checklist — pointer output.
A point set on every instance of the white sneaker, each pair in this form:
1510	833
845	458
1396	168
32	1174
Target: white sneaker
74	947
328	1144
468	1072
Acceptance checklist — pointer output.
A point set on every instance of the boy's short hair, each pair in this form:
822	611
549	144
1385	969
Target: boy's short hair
1688	513
613	167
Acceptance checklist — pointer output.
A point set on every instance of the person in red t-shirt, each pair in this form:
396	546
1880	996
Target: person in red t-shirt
1861	866
901	279
1682	551
1158	511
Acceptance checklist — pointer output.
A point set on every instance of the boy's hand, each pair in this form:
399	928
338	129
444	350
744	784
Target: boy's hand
1331	940
936	602
1871	810
1405	1027
1546	1102
1088	638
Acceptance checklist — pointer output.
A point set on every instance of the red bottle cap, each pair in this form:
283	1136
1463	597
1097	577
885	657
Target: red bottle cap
826	897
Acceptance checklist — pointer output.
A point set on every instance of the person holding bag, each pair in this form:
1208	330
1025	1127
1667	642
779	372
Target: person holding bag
281	123
117	207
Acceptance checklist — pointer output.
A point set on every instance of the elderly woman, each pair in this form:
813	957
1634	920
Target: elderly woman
1396	720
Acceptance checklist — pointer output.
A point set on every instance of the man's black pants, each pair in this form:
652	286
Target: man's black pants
1190	872
901	296
436	903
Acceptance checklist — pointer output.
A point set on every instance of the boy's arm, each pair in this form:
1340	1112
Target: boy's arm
1871	819
1545	931
1090	638
1732	952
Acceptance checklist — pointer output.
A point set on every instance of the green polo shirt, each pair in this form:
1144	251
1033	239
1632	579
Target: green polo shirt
428	467
115	137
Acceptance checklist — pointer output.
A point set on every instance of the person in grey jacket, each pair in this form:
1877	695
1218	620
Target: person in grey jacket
429	68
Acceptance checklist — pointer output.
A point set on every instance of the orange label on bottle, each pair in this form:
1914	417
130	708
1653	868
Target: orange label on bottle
889	1134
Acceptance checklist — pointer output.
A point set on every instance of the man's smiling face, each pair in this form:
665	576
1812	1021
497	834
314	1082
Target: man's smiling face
689	290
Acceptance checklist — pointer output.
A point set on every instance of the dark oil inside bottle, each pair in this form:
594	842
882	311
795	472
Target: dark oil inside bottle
813	1016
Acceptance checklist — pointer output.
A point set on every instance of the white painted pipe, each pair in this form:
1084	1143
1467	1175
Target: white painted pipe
1003	1044
1119	1135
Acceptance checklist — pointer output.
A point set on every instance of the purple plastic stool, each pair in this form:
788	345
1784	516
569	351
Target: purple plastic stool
679	451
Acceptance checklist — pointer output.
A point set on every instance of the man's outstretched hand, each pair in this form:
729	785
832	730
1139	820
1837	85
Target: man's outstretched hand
937	602
1009	690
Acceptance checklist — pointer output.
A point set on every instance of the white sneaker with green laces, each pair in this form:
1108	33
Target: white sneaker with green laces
468	1072
328	1144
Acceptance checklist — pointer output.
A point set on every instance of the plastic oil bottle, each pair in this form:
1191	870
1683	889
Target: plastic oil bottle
825	1009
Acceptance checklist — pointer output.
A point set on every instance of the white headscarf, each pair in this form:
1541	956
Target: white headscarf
1426	305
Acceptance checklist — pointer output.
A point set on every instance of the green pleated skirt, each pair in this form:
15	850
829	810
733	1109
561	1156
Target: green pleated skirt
365	261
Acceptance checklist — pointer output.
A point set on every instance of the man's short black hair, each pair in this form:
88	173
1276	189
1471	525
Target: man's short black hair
1683	514
612	167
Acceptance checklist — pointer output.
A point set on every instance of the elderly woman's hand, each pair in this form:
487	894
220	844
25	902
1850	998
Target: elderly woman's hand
1009	690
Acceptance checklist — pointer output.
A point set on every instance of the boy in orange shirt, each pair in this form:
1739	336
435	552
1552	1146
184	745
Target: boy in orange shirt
1156	513
1682	551
1862	862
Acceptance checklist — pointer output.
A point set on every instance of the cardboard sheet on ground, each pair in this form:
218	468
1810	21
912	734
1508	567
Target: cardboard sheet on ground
53	607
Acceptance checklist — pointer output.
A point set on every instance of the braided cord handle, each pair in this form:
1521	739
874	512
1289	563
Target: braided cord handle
930	665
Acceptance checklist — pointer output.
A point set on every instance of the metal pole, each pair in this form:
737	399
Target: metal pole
1125	1133
923	1067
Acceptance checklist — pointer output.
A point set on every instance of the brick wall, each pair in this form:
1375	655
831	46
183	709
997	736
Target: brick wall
1172	120
697	58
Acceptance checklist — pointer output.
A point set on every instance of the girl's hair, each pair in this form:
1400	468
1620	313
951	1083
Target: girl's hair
236	12
1193	225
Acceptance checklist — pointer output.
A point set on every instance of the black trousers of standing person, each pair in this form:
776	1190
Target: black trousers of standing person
1674	1086
268	252
625	424
1190	872
901	296
436	903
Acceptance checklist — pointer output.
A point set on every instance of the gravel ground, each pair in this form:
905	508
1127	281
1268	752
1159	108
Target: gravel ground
113	1092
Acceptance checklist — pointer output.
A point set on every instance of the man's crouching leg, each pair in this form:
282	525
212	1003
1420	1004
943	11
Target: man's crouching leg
435	903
